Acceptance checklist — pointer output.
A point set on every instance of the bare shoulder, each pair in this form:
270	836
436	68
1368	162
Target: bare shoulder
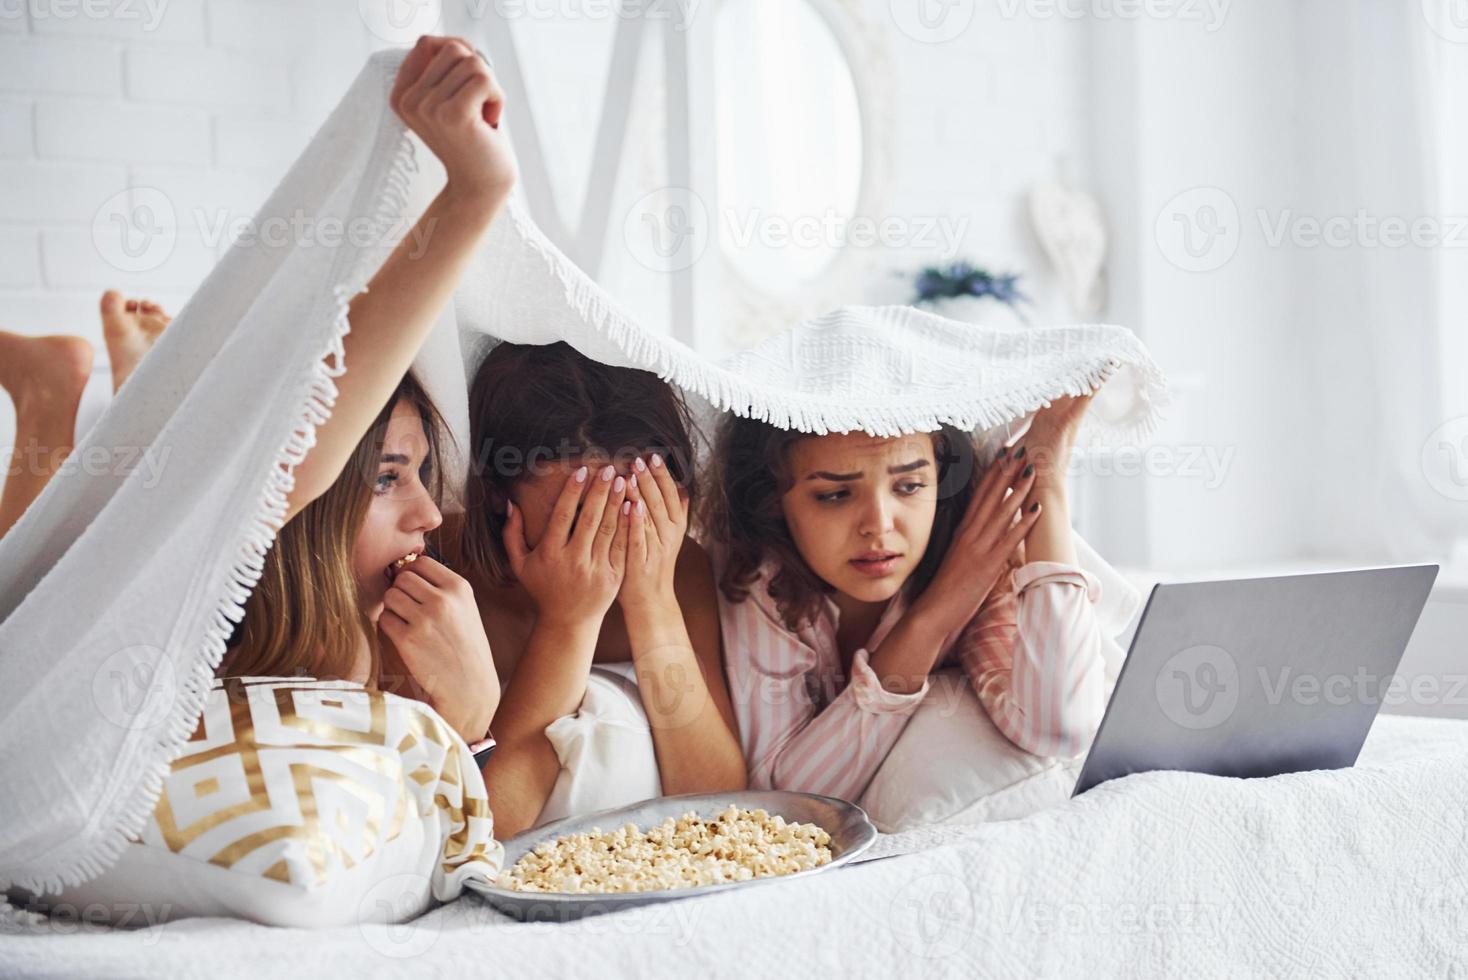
693	577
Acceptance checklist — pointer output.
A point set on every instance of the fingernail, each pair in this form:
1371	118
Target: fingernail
1004	452
634	479
1020	453
617	487
641	508
626	507
607	473
641	466
1034	507
509	507
581	475
1029	469
656	460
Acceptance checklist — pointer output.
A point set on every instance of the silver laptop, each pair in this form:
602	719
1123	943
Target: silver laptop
1256	677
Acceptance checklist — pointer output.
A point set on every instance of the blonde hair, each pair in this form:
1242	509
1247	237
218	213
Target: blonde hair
304	617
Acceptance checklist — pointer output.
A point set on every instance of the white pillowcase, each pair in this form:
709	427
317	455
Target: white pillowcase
606	748
305	803
952	765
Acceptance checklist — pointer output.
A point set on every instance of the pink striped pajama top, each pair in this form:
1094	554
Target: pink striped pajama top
1033	656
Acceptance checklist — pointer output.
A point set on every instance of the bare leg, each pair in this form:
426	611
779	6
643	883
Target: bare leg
44	377
130	327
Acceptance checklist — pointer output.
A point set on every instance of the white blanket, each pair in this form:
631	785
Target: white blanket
1360	872
118	589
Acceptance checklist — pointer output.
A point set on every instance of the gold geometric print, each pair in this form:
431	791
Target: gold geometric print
295	779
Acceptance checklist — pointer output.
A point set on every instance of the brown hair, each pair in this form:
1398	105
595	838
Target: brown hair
743	514
531	404
304	616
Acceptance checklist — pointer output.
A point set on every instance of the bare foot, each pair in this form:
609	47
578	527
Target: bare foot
130	327
44	375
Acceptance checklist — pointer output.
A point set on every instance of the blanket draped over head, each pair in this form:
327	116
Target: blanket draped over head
120	585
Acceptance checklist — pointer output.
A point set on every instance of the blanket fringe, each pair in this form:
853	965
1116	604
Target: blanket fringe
259	535
727	391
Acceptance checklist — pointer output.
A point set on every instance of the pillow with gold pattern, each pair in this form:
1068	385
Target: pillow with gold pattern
309	803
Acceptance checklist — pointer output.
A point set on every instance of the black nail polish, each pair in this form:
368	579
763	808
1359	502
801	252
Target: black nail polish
1034	507
1004	452
1029	470
1020	454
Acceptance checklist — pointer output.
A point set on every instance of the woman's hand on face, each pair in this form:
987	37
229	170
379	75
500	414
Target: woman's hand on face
432	620
999	515
446	94
657	524
574	571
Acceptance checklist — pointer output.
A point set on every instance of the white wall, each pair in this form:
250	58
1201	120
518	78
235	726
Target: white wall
210	103
980	118
1182	107
201	107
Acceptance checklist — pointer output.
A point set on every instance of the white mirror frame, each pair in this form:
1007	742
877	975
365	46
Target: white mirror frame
713	307
751	313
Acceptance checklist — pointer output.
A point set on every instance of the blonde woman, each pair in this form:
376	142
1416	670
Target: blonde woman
359	502
364	498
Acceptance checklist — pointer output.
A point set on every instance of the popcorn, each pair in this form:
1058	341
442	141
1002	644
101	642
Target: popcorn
687	852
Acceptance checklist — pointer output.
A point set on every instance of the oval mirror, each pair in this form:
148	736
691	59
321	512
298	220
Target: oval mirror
789	141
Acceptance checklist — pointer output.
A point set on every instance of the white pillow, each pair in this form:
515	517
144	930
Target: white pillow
952	765
305	803
606	748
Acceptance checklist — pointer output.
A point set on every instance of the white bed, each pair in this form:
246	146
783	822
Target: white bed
1361	872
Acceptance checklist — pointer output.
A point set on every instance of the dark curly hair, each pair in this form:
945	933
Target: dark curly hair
742	515
537	403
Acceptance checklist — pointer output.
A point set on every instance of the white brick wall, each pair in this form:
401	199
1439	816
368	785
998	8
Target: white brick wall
204	101
37	193
15	130
207	101
63	66
217	79
85	130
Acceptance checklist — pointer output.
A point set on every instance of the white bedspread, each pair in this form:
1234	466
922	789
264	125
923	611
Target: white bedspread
1361	872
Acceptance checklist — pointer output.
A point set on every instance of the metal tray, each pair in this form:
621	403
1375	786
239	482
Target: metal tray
851	833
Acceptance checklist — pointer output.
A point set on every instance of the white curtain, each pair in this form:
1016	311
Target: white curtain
1382	141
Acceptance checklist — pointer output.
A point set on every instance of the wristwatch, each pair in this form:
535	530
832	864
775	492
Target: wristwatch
482	749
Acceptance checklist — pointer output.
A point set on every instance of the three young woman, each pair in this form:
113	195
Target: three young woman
849	567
